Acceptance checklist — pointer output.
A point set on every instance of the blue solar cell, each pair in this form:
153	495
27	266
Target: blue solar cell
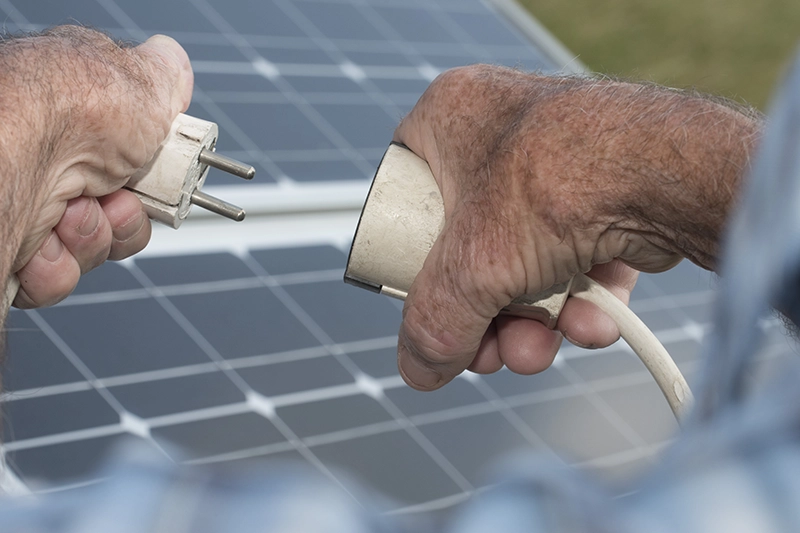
43	464
212	52
305	374
414	87
196	268
310	84
52	12
472	452
123	337
487	30
244	322
378	363
167	16
339	21
32	360
393	463
257	18
323	171
215	436
313	56
278	261
233	83
444	61
379	59
48	415
260	122
177	395
363	126
412	402
327	416
107	277
347	313
416	25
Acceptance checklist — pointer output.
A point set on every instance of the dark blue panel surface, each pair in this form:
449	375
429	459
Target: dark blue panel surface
51	12
292	376
259	122
339	21
327	416
32	360
278	261
123	337
197	268
215	436
176	395
393	463
244	322
416	25
347	313
26	418
45	466
257	18
167	16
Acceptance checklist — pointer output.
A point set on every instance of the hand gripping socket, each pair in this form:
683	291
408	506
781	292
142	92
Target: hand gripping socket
402	217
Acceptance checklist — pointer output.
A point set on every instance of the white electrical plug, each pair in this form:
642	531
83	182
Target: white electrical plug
170	183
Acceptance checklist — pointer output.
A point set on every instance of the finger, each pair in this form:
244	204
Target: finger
49	277
130	226
85	232
526	346
487	360
583	323
447	312
176	62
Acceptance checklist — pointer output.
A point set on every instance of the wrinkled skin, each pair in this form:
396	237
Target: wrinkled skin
94	113
543	178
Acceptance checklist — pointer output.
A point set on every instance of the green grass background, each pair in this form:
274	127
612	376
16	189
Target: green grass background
734	48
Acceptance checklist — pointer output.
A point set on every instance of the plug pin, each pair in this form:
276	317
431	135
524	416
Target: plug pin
215	205
226	164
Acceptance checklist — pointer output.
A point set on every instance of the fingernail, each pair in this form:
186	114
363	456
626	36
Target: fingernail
415	372
92	219
129	229
52	248
578	344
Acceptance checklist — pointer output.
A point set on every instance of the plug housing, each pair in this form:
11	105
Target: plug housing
402	217
170	183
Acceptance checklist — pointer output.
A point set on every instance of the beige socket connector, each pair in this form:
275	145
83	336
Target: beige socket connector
402	217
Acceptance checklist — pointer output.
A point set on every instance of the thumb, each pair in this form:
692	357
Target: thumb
173	67
447	312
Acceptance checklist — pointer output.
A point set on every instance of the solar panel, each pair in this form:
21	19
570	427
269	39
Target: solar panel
241	343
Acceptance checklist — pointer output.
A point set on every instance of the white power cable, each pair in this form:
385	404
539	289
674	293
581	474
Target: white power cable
641	340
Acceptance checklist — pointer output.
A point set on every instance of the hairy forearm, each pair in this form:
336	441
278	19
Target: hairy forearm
663	164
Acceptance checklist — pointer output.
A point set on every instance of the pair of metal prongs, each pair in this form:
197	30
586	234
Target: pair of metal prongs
231	166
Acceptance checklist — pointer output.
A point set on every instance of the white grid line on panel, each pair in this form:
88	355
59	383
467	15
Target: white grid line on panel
353	369
285	88
237	380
